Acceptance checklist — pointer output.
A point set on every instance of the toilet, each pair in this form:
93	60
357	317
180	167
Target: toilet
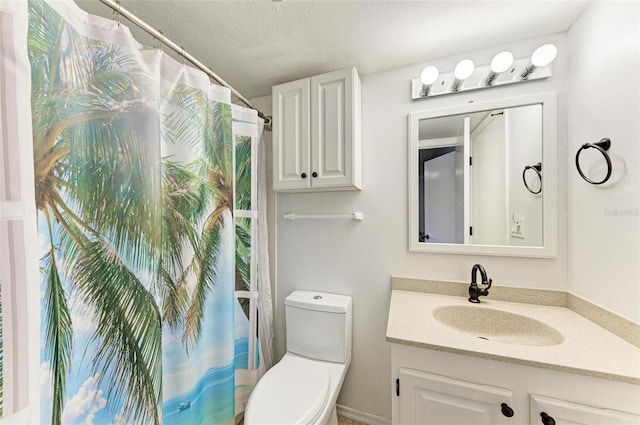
303	387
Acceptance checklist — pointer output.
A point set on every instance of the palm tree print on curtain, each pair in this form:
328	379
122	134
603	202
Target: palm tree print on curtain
134	191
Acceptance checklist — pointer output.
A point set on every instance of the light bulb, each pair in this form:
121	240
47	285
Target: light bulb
544	55
429	75
464	69
501	62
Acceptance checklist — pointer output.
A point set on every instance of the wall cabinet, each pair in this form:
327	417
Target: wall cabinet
316	133
433	387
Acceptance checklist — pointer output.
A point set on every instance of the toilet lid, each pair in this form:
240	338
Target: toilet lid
292	392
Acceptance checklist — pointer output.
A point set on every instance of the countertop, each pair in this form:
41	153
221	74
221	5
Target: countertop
587	349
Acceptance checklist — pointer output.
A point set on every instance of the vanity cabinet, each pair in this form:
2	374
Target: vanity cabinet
434	387
430	399
564	412
316	133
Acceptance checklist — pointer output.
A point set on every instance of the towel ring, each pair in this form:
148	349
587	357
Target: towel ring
602	146
538	170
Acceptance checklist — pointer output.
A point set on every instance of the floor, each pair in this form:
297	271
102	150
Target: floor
348	421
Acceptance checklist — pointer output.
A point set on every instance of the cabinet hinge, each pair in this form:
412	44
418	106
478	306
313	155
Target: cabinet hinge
398	387
470	161
470	230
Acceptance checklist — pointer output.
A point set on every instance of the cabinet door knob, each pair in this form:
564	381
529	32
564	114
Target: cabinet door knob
546	419
314	174
303	175
506	410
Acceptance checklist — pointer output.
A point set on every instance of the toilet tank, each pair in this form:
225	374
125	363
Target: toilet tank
319	325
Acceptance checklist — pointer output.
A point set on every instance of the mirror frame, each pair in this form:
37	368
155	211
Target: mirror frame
549	178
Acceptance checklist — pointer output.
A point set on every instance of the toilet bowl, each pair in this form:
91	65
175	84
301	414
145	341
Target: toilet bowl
303	387
297	391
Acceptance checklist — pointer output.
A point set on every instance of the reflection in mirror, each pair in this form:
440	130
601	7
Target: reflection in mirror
483	178
485	202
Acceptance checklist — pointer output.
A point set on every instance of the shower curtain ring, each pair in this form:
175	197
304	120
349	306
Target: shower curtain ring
117	13
160	44
182	53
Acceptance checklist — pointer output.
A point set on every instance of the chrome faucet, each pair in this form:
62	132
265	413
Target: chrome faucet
474	290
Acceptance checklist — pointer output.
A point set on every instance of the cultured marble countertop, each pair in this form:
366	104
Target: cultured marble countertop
587	349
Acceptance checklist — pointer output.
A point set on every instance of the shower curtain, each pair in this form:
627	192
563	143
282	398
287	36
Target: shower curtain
146	190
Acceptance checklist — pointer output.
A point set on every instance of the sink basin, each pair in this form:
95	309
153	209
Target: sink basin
497	325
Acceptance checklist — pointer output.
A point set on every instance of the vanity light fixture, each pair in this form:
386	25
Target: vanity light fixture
499	64
428	76
542	56
503	69
462	71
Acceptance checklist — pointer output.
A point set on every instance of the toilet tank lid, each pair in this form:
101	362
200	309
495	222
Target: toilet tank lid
319	301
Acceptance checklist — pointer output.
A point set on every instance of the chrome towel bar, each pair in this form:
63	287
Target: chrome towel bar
358	216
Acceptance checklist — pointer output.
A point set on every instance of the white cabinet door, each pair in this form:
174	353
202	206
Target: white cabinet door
291	135
429	399
316	133
335	129
561	412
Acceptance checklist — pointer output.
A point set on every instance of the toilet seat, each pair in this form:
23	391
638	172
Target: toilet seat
294	391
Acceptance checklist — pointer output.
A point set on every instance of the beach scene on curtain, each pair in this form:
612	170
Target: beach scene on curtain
140	253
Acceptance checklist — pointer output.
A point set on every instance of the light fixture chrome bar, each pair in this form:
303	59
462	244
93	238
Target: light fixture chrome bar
479	79
179	50
455	86
527	71
490	78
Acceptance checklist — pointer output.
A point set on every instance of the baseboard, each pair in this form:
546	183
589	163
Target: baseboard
359	416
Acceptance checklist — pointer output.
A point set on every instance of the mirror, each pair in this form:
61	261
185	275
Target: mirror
483	178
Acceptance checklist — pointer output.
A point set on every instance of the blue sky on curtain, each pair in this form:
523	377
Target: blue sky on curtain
134	171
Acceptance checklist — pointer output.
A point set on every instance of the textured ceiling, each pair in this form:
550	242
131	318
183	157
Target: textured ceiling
258	43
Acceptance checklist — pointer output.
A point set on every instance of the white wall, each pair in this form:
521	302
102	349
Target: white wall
440	184
524	135
604	98
488	183
358	258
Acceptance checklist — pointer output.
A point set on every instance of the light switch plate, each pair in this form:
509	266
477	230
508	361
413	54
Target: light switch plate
517	227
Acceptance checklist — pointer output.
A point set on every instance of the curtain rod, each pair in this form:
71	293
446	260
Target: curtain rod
158	35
